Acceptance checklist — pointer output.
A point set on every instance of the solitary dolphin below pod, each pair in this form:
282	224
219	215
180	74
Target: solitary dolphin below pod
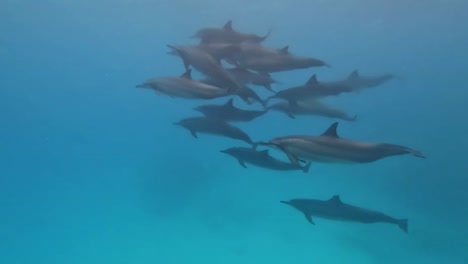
335	209
331	148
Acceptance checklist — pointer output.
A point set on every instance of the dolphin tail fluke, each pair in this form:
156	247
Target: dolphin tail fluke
306	168
403	225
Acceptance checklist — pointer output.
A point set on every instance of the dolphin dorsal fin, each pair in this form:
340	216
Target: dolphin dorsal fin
331	131
335	200
312	80
353	75
229	103
284	50
187	74
228	26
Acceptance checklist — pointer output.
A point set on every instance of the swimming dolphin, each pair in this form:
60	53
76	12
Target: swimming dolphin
282	61
228	112
214	127
227	34
184	87
312	89
329	147
248	51
359	82
244	76
262	159
335	209
206	64
314	107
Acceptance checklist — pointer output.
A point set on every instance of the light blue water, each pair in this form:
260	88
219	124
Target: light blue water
92	170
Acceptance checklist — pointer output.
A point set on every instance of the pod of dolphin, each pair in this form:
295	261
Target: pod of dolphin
252	64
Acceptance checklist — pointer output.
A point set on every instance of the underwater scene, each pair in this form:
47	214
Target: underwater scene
233	131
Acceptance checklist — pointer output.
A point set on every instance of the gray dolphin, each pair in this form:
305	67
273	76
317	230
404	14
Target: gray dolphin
312	89
214	127
281	61
227	34
184	87
228	112
359	82
206	64
335	209
314	107
329	147
262	159
248	51
245	76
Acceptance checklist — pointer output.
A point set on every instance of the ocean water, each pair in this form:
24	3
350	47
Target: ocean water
93	171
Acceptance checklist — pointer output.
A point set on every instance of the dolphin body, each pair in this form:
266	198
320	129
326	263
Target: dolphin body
184	87
330	148
335	209
227	34
310	108
228	112
262	159
214	127
281	61
206	64
312	89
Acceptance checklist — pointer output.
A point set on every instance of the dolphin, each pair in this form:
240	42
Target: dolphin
359	82
330	148
312	89
314	107
206	64
282	61
228	112
214	127
184	87
245	76
248	51
335	209
227	34
262	159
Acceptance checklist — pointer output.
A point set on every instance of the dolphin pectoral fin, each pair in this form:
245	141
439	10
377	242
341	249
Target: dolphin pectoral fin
290	115
309	218
194	134
306	168
293	159
242	163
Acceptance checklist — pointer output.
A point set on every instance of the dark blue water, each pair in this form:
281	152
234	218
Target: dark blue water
93	171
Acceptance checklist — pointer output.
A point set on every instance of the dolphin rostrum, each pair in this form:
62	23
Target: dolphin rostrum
335	209
214	127
228	112
329	147
314	107
227	34
184	87
262	159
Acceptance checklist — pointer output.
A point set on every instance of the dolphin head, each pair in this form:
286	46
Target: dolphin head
144	85
228	151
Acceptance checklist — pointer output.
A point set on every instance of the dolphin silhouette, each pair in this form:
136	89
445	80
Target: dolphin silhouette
335	209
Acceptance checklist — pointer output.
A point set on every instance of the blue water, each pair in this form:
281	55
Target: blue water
93	171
